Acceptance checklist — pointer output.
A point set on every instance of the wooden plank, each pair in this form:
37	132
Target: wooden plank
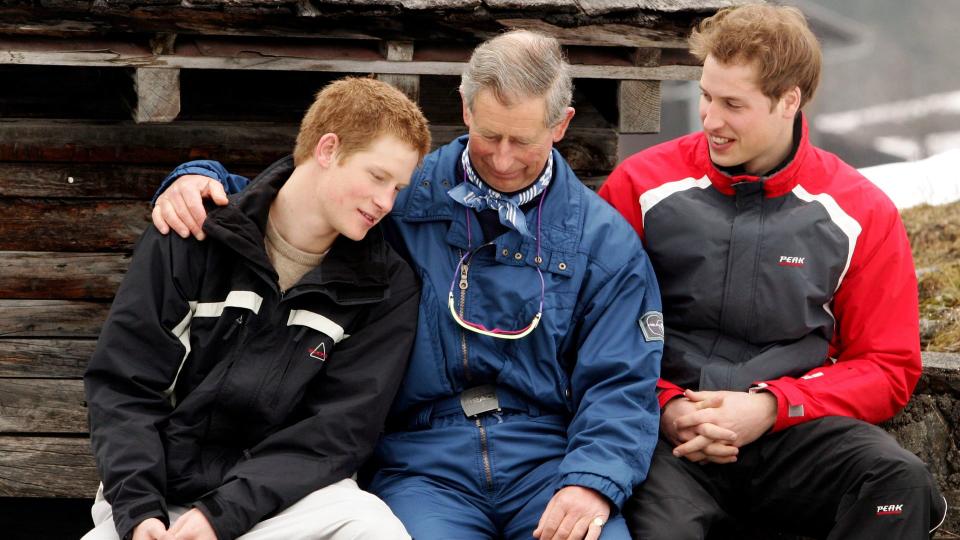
665	35
61	276
42	406
250	145
603	7
51	318
80	180
401	51
67	225
45	357
639	105
246	143
47	467
158	95
114	56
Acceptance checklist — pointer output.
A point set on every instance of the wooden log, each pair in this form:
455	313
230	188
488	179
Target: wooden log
655	21
42	406
80	180
51	318
47	467
639	106
158	95
274	57
63	225
44	357
401	51
61	276
250	145
246	143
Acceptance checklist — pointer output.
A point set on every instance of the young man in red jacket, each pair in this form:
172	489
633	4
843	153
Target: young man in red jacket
790	306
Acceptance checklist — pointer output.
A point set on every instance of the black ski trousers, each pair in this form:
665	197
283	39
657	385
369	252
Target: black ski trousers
834	478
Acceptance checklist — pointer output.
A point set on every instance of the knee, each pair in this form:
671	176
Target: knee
902	469
370	519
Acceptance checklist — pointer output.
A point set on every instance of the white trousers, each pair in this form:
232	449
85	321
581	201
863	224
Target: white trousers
340	511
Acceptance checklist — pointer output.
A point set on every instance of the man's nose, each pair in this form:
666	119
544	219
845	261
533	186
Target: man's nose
503	157
710	117
384	199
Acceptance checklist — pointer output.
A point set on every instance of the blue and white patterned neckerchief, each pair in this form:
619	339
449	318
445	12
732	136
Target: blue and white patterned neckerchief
474	193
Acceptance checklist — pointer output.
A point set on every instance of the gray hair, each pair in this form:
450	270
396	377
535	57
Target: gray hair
520	64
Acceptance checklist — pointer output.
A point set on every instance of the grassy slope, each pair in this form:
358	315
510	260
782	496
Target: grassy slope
935	236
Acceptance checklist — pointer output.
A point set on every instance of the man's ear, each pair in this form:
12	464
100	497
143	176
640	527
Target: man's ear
559	130
791	102
466	111
326	150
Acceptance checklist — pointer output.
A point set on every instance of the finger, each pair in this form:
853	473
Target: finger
593	533
711	402
697	444
158	222
566	528
217	193
171	218
544	517
721	450
184	203
706	395
696	457
194	203
580	528
715	432
695	418
720	460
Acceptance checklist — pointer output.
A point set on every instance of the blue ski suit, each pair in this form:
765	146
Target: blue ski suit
577	398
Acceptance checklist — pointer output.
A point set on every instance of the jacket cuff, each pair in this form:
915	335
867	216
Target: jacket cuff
225	525
127	518
600	484
666	391
210	169
790	410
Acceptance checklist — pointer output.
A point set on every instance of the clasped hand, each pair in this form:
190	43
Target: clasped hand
712	426
192	525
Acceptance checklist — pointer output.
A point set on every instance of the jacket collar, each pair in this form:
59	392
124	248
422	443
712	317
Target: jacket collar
784	178
241	226
427	200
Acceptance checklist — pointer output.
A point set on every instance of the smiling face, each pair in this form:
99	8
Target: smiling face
354	194
742	125
509	144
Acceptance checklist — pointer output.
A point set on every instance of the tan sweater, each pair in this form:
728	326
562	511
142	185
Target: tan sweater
290	263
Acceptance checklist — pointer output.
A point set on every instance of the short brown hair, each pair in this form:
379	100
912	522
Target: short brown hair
359	110
776	39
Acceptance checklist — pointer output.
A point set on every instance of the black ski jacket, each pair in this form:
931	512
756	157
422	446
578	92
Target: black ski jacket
211	388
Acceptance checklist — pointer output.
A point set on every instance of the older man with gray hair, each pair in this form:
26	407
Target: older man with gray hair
529	404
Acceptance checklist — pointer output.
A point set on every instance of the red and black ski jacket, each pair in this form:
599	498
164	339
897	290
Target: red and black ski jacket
801	282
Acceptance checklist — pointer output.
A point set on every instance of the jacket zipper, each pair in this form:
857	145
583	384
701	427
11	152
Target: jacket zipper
485	454
463	333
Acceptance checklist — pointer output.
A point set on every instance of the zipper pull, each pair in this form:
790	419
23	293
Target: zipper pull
233	328
463	276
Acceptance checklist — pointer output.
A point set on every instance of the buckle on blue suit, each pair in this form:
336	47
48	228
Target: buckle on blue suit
479	400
